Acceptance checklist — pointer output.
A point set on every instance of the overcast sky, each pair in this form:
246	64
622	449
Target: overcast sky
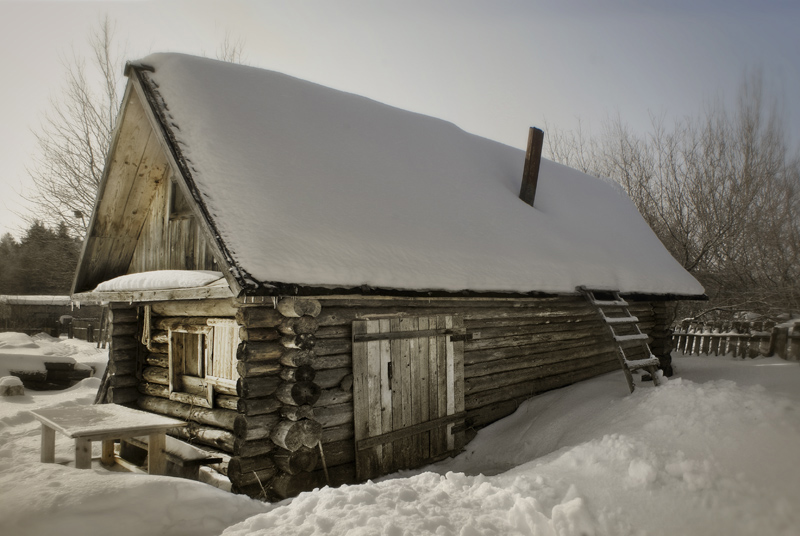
492	67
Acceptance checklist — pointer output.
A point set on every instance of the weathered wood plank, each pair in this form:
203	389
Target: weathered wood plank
385	358
205	308
367	461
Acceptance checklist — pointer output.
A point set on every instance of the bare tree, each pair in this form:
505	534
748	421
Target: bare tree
75	135
231	49
721	191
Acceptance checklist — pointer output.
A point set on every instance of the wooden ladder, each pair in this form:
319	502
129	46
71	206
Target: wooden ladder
631	344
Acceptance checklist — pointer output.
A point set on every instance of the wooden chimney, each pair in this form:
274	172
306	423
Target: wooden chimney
533	157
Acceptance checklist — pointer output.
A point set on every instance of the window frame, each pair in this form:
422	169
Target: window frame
201	388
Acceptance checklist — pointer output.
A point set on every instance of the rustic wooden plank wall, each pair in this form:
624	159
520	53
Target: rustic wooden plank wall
170	244
138	168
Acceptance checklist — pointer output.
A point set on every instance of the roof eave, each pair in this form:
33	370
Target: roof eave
291	289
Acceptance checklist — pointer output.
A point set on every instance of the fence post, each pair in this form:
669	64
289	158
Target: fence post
779	341
705	338
795	340
687	344
755	339
681	346
713	343
766	337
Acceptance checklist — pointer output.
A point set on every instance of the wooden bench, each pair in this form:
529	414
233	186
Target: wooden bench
183	460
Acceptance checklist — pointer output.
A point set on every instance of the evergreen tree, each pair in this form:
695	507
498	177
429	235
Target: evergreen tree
10	282
42	263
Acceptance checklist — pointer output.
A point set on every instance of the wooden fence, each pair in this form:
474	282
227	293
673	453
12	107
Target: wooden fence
53	315
739	339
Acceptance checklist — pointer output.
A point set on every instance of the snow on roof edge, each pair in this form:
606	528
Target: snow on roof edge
151	63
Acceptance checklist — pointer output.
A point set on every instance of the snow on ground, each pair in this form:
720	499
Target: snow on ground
713	451
20	352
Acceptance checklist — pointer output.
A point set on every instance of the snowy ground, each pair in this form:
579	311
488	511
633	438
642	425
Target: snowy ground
714	451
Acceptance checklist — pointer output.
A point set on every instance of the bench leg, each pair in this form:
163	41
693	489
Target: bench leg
48	444
83	453
107	457
157	454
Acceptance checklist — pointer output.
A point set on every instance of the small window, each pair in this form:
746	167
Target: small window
179	208
202	361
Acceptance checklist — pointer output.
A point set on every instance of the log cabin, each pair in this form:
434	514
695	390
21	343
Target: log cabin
329	289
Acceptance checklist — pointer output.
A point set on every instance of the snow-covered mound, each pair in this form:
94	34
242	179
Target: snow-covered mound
711	452
24	353
685	458
16	340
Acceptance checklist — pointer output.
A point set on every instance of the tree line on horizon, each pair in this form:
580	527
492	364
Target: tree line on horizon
43	262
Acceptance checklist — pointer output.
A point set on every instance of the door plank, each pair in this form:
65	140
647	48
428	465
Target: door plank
409	455
397	394
458	374
387	462
375	424
422	412
441	358
366	460
436	437
451	395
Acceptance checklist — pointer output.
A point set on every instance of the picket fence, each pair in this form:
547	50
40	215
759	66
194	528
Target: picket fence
739	339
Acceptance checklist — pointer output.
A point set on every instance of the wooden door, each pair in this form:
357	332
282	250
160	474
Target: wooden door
408	391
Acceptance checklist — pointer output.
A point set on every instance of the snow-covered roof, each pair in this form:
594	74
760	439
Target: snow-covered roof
312	186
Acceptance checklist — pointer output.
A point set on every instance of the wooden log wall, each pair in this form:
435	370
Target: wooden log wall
514	349
276	453
213	428
123	355
296	383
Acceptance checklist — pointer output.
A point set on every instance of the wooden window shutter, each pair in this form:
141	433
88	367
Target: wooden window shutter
222	366
408	391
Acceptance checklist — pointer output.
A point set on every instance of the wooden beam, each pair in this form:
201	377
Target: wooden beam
366	337
533	157
388	437
136	296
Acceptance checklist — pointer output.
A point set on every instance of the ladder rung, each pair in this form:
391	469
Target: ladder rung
621	320
610	303
636	364
634	337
